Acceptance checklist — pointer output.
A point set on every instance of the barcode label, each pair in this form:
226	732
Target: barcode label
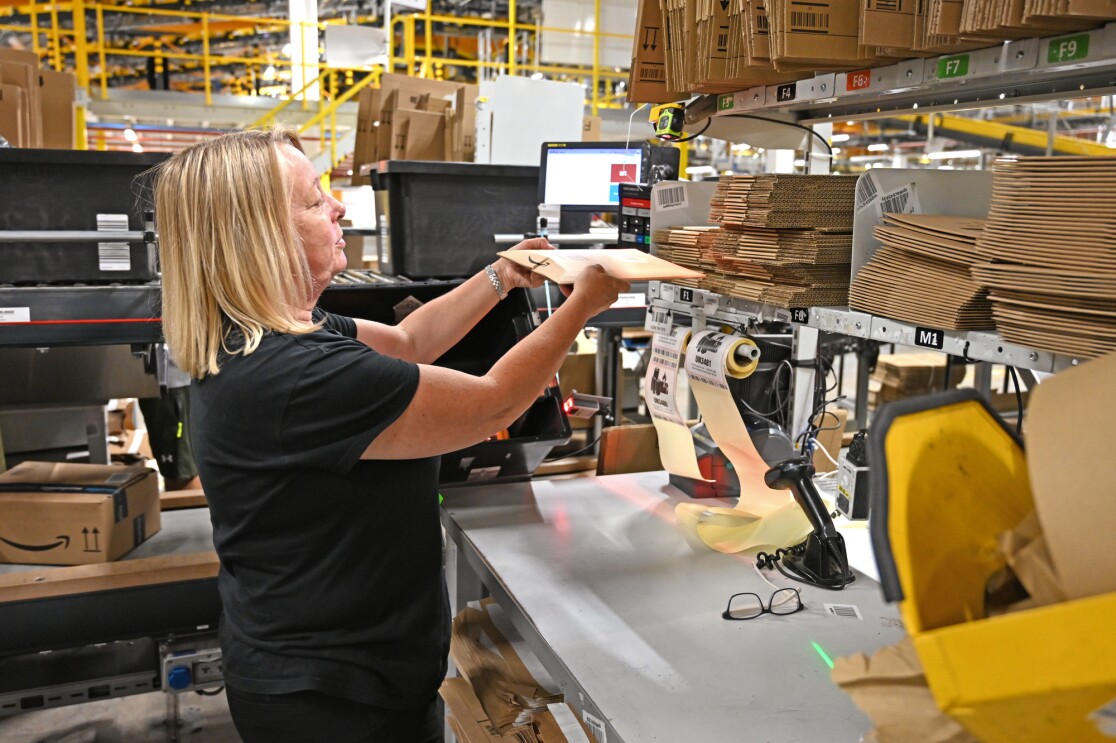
672	197
809	22
847	611
900	201
895	202
113	256
761	23
15	314
865	190
650	72
596	727
891	6
658	320
722	40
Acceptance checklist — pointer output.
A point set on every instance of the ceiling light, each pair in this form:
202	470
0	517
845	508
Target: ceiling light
130	134
137	147
954	155
878	147
269	73
839	138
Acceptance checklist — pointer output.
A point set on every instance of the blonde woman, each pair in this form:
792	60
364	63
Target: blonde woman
317	439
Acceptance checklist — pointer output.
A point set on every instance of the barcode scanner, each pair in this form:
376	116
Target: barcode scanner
821	560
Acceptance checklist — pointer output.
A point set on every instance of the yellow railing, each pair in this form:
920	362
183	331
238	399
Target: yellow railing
63	47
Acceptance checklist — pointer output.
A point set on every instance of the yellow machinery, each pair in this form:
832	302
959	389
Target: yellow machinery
951	478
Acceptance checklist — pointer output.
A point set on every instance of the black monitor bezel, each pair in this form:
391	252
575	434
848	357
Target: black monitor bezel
644	167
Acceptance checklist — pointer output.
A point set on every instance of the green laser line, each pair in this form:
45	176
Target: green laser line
824	655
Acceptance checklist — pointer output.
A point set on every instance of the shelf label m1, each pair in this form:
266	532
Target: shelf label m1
1068	49
956	66
929	338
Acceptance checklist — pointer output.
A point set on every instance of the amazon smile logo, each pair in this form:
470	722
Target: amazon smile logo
63	542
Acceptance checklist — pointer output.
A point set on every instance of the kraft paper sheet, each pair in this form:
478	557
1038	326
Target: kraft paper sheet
763	518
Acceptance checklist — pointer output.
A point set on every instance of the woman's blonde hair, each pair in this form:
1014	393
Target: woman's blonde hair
233	268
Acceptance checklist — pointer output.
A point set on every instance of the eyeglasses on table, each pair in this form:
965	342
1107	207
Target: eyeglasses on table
749	605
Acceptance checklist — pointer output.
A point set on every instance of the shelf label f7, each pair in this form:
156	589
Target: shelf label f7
956	66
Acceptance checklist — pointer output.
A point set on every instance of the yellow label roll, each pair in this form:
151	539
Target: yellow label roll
660	390
763	518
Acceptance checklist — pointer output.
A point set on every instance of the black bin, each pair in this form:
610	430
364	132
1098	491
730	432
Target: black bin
531	437
438	220
66	190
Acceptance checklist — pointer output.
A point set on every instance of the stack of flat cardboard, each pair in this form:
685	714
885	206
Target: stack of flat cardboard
689	246
778	201
409	118
1050	260
36	105
786	239
921	273
824	34
1005	19
647	79
749	51
905	28
902	375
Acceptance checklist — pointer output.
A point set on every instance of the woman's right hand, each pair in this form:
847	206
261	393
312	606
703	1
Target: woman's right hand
597	290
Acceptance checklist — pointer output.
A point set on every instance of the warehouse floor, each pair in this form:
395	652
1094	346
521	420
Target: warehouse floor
141	718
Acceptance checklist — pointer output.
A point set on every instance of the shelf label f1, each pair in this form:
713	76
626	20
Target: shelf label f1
929	338
957	66
1068	49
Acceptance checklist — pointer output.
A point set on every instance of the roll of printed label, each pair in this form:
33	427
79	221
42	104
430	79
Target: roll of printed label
762	518
660	390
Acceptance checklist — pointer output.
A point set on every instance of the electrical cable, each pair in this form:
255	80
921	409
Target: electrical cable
628	140
576	453
1018	401
708	121
825	452
820	138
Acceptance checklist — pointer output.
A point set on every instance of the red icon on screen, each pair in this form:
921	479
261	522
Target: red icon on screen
624	173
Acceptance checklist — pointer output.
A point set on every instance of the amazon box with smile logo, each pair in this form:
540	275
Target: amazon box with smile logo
74	514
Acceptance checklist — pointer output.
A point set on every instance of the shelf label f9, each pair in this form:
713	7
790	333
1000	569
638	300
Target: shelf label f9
956	66
1068	49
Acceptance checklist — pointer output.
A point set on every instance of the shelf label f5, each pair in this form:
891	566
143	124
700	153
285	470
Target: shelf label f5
956	66
1068	49
929	338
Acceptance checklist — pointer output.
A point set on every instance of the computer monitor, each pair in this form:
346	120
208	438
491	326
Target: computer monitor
586	176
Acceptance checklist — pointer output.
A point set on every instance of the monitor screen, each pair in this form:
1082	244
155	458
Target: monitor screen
586	176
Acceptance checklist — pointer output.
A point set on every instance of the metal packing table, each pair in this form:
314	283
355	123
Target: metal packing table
624	613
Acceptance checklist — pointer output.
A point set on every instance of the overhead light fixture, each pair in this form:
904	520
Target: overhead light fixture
130	135
878	147
800	163
537	76
839	138
137	147
269	73
836	150
954	155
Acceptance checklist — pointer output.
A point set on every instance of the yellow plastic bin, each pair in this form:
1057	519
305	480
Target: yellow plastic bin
948	479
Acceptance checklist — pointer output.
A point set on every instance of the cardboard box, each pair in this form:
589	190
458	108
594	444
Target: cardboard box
647	80
58	91
13	104
75	514
591	129
22	69
888	23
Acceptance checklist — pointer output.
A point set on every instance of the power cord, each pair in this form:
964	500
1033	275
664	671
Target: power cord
797	570
1018	401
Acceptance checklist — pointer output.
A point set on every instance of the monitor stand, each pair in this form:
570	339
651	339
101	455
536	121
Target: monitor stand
574	223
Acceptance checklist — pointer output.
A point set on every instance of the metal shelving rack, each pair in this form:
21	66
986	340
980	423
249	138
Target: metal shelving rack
1076	64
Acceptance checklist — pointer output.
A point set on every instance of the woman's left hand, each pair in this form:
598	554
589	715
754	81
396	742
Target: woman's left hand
513	275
